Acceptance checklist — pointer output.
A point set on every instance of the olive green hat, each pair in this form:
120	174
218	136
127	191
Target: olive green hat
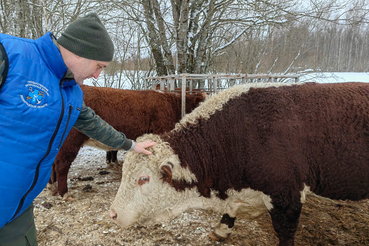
87	37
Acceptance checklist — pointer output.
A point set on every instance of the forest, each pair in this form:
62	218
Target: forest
161	37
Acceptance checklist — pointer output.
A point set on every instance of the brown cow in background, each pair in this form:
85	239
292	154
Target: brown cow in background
132	112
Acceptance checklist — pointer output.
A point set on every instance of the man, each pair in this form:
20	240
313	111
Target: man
40	101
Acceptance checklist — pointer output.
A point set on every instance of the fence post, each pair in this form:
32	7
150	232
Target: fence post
145	84
215	84
183	95
161	84
171	84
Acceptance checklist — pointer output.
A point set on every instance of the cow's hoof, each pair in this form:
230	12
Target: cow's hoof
68	197
117	164
216	237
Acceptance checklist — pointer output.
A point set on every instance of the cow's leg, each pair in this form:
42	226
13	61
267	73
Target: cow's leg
223	229
112	158
285	220
52	186
63	179
64	159
108	157
53	175
63	163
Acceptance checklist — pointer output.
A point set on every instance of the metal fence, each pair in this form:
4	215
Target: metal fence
210	83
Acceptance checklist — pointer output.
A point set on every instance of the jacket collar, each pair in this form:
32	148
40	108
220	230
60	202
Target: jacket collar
49	49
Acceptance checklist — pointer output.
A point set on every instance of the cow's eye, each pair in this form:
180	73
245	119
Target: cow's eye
143	179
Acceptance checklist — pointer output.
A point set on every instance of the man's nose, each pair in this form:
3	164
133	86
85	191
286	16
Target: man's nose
97	73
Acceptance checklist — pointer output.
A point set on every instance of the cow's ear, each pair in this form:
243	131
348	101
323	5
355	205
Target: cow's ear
166	171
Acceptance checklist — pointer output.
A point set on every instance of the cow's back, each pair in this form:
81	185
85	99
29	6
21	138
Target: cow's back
277	137
135	112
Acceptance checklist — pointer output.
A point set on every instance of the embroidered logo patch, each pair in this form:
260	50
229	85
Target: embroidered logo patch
36	95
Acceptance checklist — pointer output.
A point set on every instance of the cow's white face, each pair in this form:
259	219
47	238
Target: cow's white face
143	195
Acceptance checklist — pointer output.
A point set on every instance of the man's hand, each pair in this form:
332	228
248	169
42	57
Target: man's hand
141	147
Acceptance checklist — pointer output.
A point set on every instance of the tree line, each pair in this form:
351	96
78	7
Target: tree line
299	48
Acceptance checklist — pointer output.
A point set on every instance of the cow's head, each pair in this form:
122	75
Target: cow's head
146	194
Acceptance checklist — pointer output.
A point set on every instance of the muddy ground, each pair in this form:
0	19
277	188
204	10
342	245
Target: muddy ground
85	220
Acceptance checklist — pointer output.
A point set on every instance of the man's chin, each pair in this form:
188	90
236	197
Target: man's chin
79	82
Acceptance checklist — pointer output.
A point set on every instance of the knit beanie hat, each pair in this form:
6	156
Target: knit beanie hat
88	38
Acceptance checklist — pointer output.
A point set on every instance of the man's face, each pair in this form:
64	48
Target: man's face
83	68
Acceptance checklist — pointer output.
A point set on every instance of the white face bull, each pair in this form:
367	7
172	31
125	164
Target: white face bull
144	196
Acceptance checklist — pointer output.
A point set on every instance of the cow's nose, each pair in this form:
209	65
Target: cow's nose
113	214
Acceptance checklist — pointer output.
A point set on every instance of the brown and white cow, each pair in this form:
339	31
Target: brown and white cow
252	149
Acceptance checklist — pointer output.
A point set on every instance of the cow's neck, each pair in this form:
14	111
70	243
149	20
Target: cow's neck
207	148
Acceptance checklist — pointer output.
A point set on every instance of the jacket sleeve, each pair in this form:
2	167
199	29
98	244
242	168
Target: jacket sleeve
96	128
4	65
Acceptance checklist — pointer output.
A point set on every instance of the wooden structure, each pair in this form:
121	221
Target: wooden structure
210	83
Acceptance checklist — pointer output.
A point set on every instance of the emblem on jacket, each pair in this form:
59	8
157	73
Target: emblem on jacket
35	95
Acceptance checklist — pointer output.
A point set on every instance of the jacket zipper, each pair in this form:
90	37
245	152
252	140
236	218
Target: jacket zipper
66	127
39	164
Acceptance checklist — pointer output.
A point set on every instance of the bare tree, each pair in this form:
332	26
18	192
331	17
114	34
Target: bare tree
185	36
21	18
32	18
201	36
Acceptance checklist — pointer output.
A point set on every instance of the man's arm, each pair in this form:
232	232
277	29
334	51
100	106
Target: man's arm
96	128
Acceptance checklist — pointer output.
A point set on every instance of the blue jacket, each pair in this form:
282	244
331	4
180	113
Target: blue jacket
37	110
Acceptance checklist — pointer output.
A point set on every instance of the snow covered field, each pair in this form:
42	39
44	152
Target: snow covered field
325	77
335	77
